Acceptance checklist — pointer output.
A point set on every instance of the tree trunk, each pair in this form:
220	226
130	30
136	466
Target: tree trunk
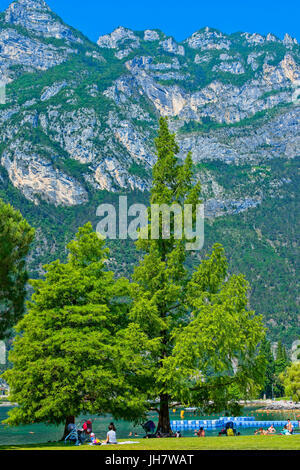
164	416
69	420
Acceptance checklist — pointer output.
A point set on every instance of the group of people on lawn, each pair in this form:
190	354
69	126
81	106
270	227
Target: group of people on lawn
86	433
229	430
111	437
288	430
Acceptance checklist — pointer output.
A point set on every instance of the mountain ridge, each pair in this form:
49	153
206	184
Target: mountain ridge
41	5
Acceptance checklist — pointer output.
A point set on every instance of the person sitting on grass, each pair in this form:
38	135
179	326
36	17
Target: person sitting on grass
94	440
201	432
290	426
285	431
271	429
230	429
111	437
230	432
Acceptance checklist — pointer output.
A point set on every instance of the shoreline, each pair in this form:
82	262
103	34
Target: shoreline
271	405
265	405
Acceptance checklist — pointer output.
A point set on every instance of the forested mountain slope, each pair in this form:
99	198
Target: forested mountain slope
79	120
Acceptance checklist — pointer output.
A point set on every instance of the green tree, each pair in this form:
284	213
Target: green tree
207	338
16	236
281	364
291	381
266	351
69	356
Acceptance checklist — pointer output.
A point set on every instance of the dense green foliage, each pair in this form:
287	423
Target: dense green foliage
268	387
85	347
274	368
138	170
265	237
282	362
199	361
76	351
16	236
291	381
261	242
207	124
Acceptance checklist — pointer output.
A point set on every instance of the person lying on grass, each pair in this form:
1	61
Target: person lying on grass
261	432
265	432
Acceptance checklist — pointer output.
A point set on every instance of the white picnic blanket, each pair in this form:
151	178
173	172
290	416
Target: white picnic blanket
121	443
128	442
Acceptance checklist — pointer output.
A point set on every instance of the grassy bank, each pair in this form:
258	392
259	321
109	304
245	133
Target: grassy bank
208	443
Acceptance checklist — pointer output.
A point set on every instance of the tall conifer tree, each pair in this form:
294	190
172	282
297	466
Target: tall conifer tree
207	338
16	236
266	351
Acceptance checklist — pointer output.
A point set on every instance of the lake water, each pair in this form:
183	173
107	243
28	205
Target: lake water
41	433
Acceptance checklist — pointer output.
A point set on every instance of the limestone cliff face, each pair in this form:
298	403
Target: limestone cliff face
18	52
223	102
121	38
87	119
36	16
36	177
24	31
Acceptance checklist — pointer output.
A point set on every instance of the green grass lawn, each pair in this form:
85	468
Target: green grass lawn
207	443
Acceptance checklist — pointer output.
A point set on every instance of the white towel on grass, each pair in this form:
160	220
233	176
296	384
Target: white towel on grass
121	443
128	442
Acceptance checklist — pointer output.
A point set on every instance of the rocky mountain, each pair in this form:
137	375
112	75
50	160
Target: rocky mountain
78	123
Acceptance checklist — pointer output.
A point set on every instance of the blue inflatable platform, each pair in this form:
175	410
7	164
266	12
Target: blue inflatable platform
240	422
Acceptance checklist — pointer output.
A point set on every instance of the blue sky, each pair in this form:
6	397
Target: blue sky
179	18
